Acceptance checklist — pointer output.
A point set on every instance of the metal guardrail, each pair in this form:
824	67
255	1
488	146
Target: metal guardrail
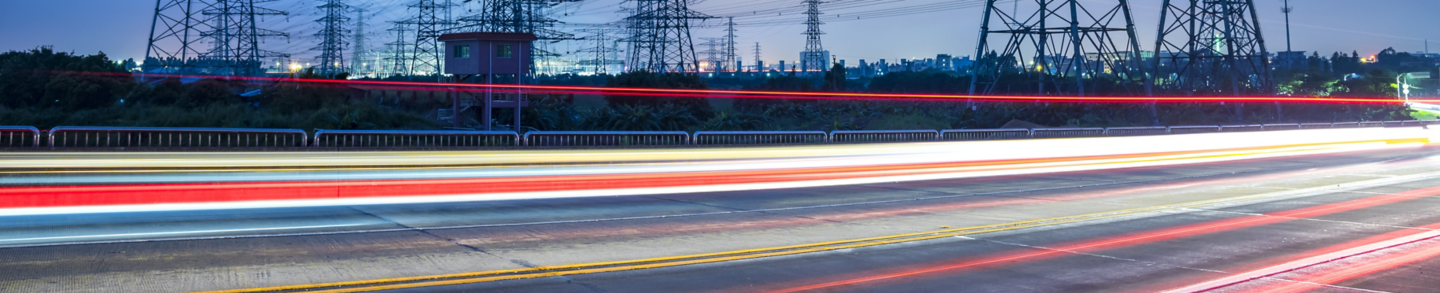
1281	126
414	138
1345	125
174	137
1066	132
606	138
860	136
1242	128
758	137
19	136
1137	131
984	134
1187	129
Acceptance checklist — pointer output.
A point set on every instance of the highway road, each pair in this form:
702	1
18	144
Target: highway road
1348	220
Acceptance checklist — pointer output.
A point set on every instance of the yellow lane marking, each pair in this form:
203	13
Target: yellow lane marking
649	263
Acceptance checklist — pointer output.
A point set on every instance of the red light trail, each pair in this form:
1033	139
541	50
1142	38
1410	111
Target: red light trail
1127	240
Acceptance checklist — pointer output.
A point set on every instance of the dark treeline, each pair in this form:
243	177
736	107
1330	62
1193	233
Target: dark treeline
44	88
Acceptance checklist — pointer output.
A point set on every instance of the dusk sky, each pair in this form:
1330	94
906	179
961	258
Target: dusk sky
120	27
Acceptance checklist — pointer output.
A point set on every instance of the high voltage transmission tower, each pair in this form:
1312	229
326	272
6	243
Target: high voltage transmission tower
713	54
521	16
759	66
731	56
813	58
1059	47
180	27
660	39
236	37
429	25
603	50
399	59
332	37
1211	48
357	52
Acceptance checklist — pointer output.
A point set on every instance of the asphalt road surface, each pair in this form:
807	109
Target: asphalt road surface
1291	223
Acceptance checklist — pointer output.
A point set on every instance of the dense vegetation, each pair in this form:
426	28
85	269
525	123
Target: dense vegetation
44	88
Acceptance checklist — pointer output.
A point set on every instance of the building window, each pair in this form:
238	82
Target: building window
504	51
462	51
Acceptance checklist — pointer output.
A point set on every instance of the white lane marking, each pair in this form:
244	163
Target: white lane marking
175	233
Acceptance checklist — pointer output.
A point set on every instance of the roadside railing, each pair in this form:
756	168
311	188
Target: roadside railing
414	139
1281	126
1188	129
19	136
174	137
1136	131
865	136
759	137
984	134
1242	128
1067	132
606	138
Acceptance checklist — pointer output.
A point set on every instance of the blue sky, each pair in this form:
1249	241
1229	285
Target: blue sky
120	27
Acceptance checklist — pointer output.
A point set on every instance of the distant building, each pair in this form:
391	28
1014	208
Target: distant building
1290	59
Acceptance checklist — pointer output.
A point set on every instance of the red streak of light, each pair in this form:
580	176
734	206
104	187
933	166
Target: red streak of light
93	195
1134	239
1305	254
799	95
1337	274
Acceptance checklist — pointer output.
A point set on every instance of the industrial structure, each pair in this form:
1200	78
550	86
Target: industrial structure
659	36
814	57
1211	48
1056	47
521	16
332	37
181	28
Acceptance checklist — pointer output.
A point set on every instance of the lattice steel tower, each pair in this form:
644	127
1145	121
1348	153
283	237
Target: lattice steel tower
236	37
399	58
332	37
180	27
731	56
357	51
603	50
1211	47
1059	47
813	58
521	16
660	39
174	35
429	25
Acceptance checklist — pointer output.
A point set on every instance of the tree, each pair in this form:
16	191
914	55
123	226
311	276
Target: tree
698	107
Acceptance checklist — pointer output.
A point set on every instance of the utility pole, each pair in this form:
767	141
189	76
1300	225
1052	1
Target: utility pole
1215	48
814	55
712	54
1287	9
332	37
